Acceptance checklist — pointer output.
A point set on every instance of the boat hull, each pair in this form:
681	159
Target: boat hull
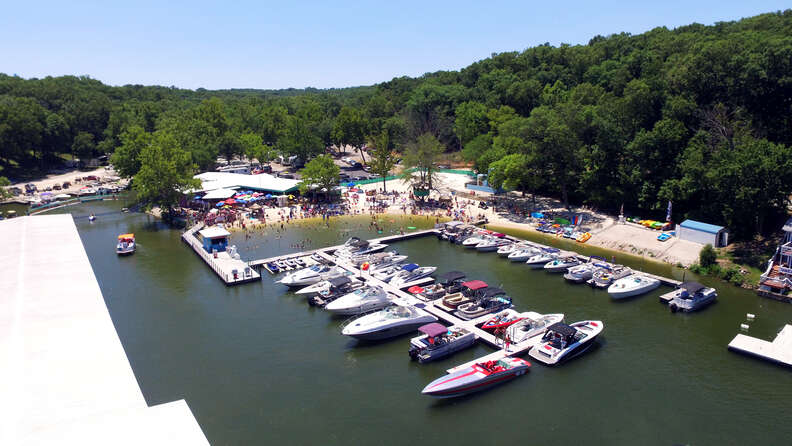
389	332
470	380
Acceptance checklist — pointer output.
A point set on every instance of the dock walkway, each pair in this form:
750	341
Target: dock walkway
778	351
223	265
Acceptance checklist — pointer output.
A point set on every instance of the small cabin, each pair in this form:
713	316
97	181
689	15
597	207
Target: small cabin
214	238
704	233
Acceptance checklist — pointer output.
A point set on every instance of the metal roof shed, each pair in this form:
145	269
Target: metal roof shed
704	233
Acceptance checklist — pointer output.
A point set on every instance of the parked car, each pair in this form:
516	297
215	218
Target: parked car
30	188
443	166
56	187
15	191
356	165
66	184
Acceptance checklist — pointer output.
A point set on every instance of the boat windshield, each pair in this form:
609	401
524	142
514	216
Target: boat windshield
397	312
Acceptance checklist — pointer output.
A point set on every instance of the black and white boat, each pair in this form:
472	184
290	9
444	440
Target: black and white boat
692	296
358	247
439	341
561	341
492	299
340	286
544	256
561	264
410	273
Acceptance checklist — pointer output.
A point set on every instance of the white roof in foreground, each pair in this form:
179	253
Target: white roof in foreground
65	376
219	194
214	232
262	182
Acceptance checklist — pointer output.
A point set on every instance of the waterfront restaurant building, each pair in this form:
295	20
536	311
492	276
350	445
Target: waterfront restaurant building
214	238
264	182
704	233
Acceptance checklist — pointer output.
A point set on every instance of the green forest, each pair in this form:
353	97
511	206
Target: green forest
698	115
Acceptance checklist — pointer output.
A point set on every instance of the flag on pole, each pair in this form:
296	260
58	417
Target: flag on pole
668	213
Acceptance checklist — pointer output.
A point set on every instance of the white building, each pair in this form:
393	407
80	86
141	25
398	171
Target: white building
264	182
704	233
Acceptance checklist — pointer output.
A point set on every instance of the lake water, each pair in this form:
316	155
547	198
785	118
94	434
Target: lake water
257	365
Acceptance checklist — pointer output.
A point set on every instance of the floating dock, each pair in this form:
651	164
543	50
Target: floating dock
230	270
778	351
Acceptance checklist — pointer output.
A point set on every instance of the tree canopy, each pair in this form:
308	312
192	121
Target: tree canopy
319	173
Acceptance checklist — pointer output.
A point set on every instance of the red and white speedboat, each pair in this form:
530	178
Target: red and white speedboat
502	320
478	376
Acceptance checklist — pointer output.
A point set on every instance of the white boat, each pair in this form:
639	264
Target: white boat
410	273
692	296
387	273
492	244
357	247
561	264
472	241
561	342
360	301
311	275
395	260
522	254
532	325
389	322
605	276
438	341
632	286
325	285
539	260
505	250
581	273
126	244
340	286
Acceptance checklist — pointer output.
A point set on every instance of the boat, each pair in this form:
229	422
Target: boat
446	283
582	272
605	276
632	286
562	342
584	237
382	264
542	258
477	377
357	247
340	286
492	244
561	264
503	319
389	322
410	273
311	275
437	342
664	237
465	295
473	241
126	244
91	217
387	273
490	300
507	249
272	267
522	254
359	301
532	325
692	296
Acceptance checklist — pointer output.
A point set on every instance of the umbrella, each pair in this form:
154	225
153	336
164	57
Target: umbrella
291	197
230	201
268	196
350	184
219	204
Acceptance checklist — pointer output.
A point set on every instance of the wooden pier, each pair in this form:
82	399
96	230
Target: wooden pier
230	270
778	351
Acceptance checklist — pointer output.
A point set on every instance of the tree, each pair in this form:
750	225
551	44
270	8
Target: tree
319	173
707	256
471	121
420	157
349	128
126	158
83	146
382	157
230	146
166	171
297	139
4	193
517	171
254	148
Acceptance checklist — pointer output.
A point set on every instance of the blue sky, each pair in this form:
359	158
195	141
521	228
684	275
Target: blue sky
260	44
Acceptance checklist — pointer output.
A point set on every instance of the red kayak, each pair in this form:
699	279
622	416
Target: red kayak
502	320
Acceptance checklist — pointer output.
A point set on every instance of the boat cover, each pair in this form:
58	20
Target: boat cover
692	287
338	281
474	285
415	289
451	276
562	329
492	291
433	329
123	236
410	267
